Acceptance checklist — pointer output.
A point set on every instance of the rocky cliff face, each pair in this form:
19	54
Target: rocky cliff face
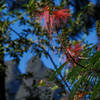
39	72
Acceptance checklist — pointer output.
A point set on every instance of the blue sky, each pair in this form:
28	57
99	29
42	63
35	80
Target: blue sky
91	38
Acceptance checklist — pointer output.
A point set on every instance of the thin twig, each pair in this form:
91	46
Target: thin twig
92	69
74	60
15	31
55	66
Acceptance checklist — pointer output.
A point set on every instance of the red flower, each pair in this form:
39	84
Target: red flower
45	15
74	52
53	19
61	16
98	47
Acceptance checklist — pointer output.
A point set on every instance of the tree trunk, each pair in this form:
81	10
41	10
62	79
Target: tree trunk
2	70
2	85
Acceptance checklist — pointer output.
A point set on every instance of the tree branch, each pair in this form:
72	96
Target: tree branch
15	31
74	60
55	66
50	59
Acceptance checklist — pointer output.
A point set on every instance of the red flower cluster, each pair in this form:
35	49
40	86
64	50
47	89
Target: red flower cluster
74	52
98	47
53	18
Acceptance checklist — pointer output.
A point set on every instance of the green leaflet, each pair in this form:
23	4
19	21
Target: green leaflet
57	71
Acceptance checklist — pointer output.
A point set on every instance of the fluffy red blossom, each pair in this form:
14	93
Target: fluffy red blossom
98	47
74	51
53	18
61	15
